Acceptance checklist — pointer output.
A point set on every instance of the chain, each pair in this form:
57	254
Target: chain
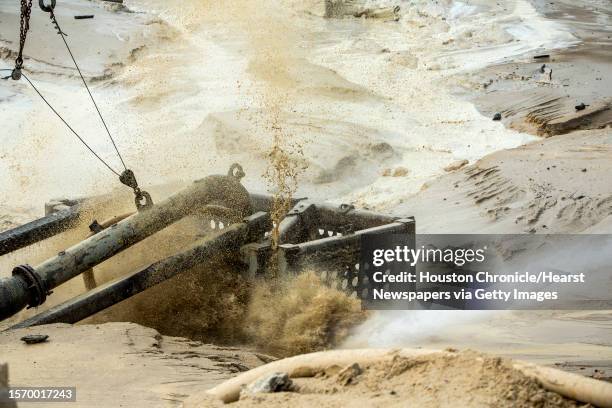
24	26
142	199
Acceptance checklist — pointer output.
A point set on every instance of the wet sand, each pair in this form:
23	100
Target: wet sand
538	94
557	184
120	364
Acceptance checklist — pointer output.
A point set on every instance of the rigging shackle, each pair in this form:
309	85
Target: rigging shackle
45	8
142	199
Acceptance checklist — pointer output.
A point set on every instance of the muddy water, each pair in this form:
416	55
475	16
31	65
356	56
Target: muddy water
217	83
232	78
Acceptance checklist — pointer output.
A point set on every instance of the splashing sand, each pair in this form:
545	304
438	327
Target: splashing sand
283	169
281	316
300	315
202	304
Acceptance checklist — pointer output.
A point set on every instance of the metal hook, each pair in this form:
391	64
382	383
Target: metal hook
143	200
45	8
236	171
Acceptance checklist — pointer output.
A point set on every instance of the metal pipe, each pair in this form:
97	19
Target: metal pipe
30	286
38	230
206	251
89	278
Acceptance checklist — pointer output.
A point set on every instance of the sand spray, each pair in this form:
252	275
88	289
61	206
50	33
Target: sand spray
217	304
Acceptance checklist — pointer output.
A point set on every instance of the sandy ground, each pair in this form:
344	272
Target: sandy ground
554	185
539	95
465	379
204	76
120	364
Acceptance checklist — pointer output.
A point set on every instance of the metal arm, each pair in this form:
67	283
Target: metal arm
29	286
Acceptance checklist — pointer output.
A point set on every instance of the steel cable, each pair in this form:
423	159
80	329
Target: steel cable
67	125
62	35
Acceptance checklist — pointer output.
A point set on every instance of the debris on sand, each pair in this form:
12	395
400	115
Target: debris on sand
275	382
141	366
360	8
35	338
597	116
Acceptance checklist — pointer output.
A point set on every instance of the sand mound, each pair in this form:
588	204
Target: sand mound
436	380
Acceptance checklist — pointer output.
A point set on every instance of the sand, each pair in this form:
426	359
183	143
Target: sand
353	101
120	364
544	102
556	184
466	379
